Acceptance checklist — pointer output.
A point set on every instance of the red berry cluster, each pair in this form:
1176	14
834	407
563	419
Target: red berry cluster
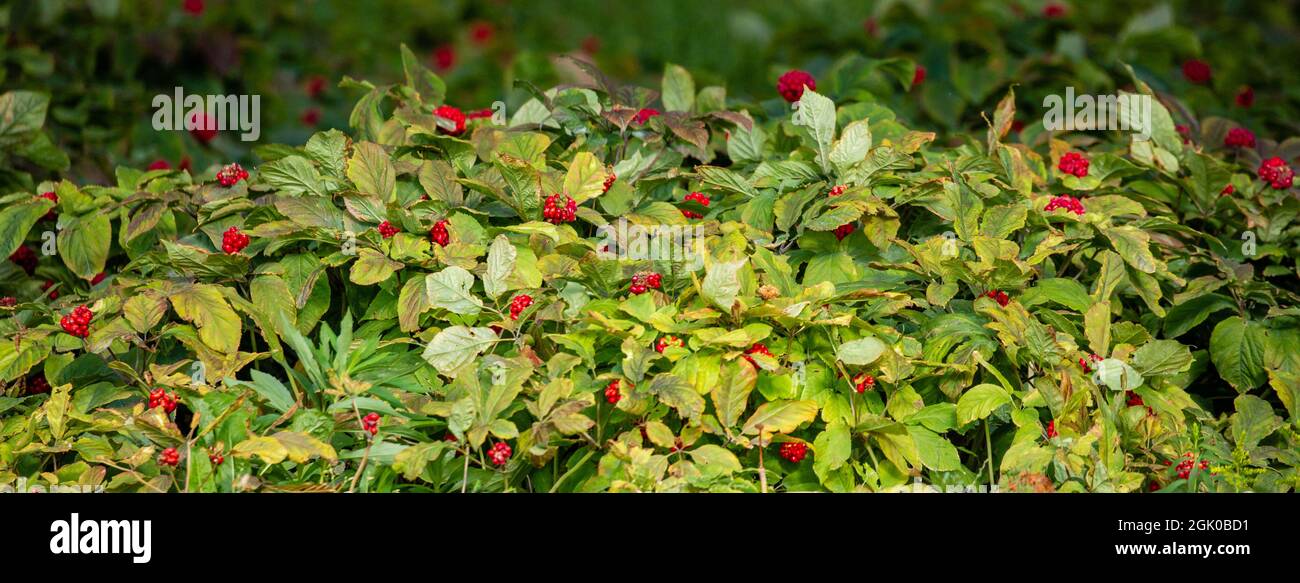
54	295
1189	463
159	397
1239	138
609	181
1229	189
25	258
52	214
387	230
453	115
8	302
439	233
697	197
169	457
1246	96
791	84
1133	399
310	116
231	174
1051	429
38	385
1066	202
644	114
757	348
1073	163
556	212
794	451
216	458
1196	71
645	281
518	304
370	423
863	382
78	322
844	230
612	394
1053	10
838	189
663	343
233	241
1276	173
998	296
499	453
1086	363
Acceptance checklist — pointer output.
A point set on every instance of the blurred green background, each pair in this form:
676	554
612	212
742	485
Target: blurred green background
103	60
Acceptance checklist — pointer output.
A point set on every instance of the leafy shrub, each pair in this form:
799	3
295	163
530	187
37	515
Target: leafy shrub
412	307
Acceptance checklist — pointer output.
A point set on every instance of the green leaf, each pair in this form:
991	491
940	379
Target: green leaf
731	395
84	243
500	263
17	219
1162	357
935	452
205	306
21	113
585	179
980	401
373	267
721	283
449	289
371	170
1237	350
817	113
293	175
862	351
832	449
780	417
678	89
455	346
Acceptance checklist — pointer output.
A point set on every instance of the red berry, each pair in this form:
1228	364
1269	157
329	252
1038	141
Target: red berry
1246	96
757	348
654	280
439	233
8	302
1196	71
609	181
216	458
233	241
844	230
37	385
518	304
1276	173
481	32
837	190
1239	138
194	7
78	322
52	214
863	382
794	451
1051	428
98	278
612	394
25	258
1229	189
499	453
1000	297
556	212
792	83
667	341
169	457
1066	202
644	114
1073	163
54	295
444	58
203	127
387	230
310	116
314	86
159	164
1185	132
1053	10
919	76
453	115
370	423
231	174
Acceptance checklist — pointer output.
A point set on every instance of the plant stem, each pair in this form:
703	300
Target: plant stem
988	445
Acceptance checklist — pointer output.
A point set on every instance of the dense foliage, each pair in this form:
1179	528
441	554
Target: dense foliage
846	300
